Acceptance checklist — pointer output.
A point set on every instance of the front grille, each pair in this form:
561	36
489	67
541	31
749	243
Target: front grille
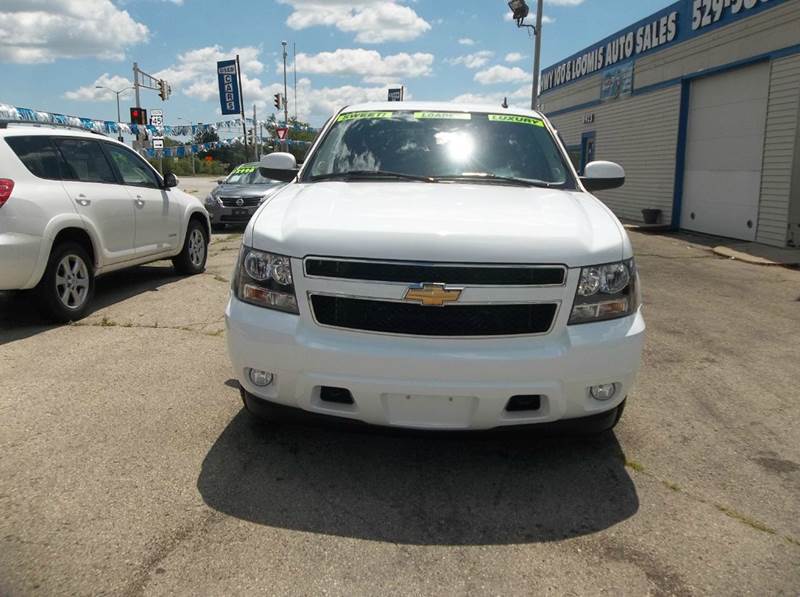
490	275
246	201
417	320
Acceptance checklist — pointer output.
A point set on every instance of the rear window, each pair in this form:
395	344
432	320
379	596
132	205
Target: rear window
39	156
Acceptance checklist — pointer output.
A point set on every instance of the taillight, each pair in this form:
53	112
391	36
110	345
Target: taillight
6	186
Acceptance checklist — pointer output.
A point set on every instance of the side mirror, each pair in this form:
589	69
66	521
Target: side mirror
220	181
279	166
600	176
170	180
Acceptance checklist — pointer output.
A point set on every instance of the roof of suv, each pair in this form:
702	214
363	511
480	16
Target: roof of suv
439	107
15	129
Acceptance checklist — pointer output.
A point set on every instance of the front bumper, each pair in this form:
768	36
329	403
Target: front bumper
220	214
430	383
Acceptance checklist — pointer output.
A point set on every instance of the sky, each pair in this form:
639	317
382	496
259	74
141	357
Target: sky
53	53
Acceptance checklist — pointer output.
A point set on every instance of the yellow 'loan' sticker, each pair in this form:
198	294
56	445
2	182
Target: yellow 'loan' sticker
362	116
442	115
517	119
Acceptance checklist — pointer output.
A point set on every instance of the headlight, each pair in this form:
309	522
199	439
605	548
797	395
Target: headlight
265	279
211	200
606	292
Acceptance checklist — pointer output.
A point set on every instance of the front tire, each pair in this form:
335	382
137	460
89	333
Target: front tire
67	286
192	258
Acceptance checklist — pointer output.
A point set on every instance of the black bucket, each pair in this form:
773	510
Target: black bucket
651	216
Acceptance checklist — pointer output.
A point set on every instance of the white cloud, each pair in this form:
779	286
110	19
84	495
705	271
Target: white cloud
517	98
194	75
474	60
201	64
90	93
514	57
33	31
368	64
373	21
466	41
501	74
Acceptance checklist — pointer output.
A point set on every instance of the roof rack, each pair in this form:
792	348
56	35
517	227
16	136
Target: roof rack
4	122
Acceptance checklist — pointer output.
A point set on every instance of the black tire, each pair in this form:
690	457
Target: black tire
192	258
67	286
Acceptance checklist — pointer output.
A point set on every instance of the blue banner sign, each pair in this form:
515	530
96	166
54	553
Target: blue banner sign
676	23
228	87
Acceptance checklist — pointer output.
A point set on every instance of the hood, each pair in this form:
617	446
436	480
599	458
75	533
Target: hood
439	222
243	190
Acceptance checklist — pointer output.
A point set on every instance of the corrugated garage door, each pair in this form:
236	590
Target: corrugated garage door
724	147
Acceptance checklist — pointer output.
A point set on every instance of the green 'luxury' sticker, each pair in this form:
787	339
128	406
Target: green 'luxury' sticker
442	115
516	119
362	116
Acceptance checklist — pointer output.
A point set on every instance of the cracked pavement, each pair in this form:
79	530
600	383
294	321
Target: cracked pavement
128	467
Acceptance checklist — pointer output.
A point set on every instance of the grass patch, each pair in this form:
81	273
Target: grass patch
745	519
633	465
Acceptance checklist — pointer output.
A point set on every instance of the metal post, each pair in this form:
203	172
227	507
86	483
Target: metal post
537	49
137	140
294	63
241	105
255	129
285	99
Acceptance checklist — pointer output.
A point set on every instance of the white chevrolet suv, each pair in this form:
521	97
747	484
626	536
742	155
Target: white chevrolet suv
75	204
437	266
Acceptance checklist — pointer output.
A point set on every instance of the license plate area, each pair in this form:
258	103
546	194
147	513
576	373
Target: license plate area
429	412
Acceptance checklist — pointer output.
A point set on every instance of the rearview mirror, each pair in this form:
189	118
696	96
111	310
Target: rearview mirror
600	176
170	180
279	166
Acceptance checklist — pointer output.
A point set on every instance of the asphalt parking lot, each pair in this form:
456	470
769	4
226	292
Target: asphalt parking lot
128	466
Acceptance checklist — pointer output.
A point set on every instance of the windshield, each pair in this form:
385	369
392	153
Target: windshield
440	146
248	175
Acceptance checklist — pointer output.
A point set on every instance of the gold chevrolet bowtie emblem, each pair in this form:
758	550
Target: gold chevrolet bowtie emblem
432	294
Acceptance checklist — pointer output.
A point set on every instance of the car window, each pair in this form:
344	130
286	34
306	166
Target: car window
248	174
85	161
133	169
441	145
39	155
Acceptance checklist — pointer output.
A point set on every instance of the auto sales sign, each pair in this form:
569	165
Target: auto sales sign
678	22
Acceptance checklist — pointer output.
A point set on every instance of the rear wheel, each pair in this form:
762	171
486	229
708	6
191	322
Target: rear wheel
192	258
67	286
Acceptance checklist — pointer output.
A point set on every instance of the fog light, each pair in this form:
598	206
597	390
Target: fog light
260	378
603	391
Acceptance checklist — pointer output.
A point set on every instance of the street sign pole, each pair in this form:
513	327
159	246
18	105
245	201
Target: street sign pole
241	104
285	97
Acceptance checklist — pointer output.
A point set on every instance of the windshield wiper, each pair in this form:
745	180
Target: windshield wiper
368	174
487	177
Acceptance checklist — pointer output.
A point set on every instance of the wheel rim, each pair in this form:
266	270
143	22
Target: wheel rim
197	247
72	282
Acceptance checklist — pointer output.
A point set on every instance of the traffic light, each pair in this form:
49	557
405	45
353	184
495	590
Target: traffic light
277	102
164	90
138	116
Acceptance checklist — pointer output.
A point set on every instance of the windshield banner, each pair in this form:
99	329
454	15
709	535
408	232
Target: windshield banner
515	119
362	115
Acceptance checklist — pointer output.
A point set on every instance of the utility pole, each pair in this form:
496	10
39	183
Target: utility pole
255	132
519	9
536	53
241	105
117	93
137	140
285	99
294	63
